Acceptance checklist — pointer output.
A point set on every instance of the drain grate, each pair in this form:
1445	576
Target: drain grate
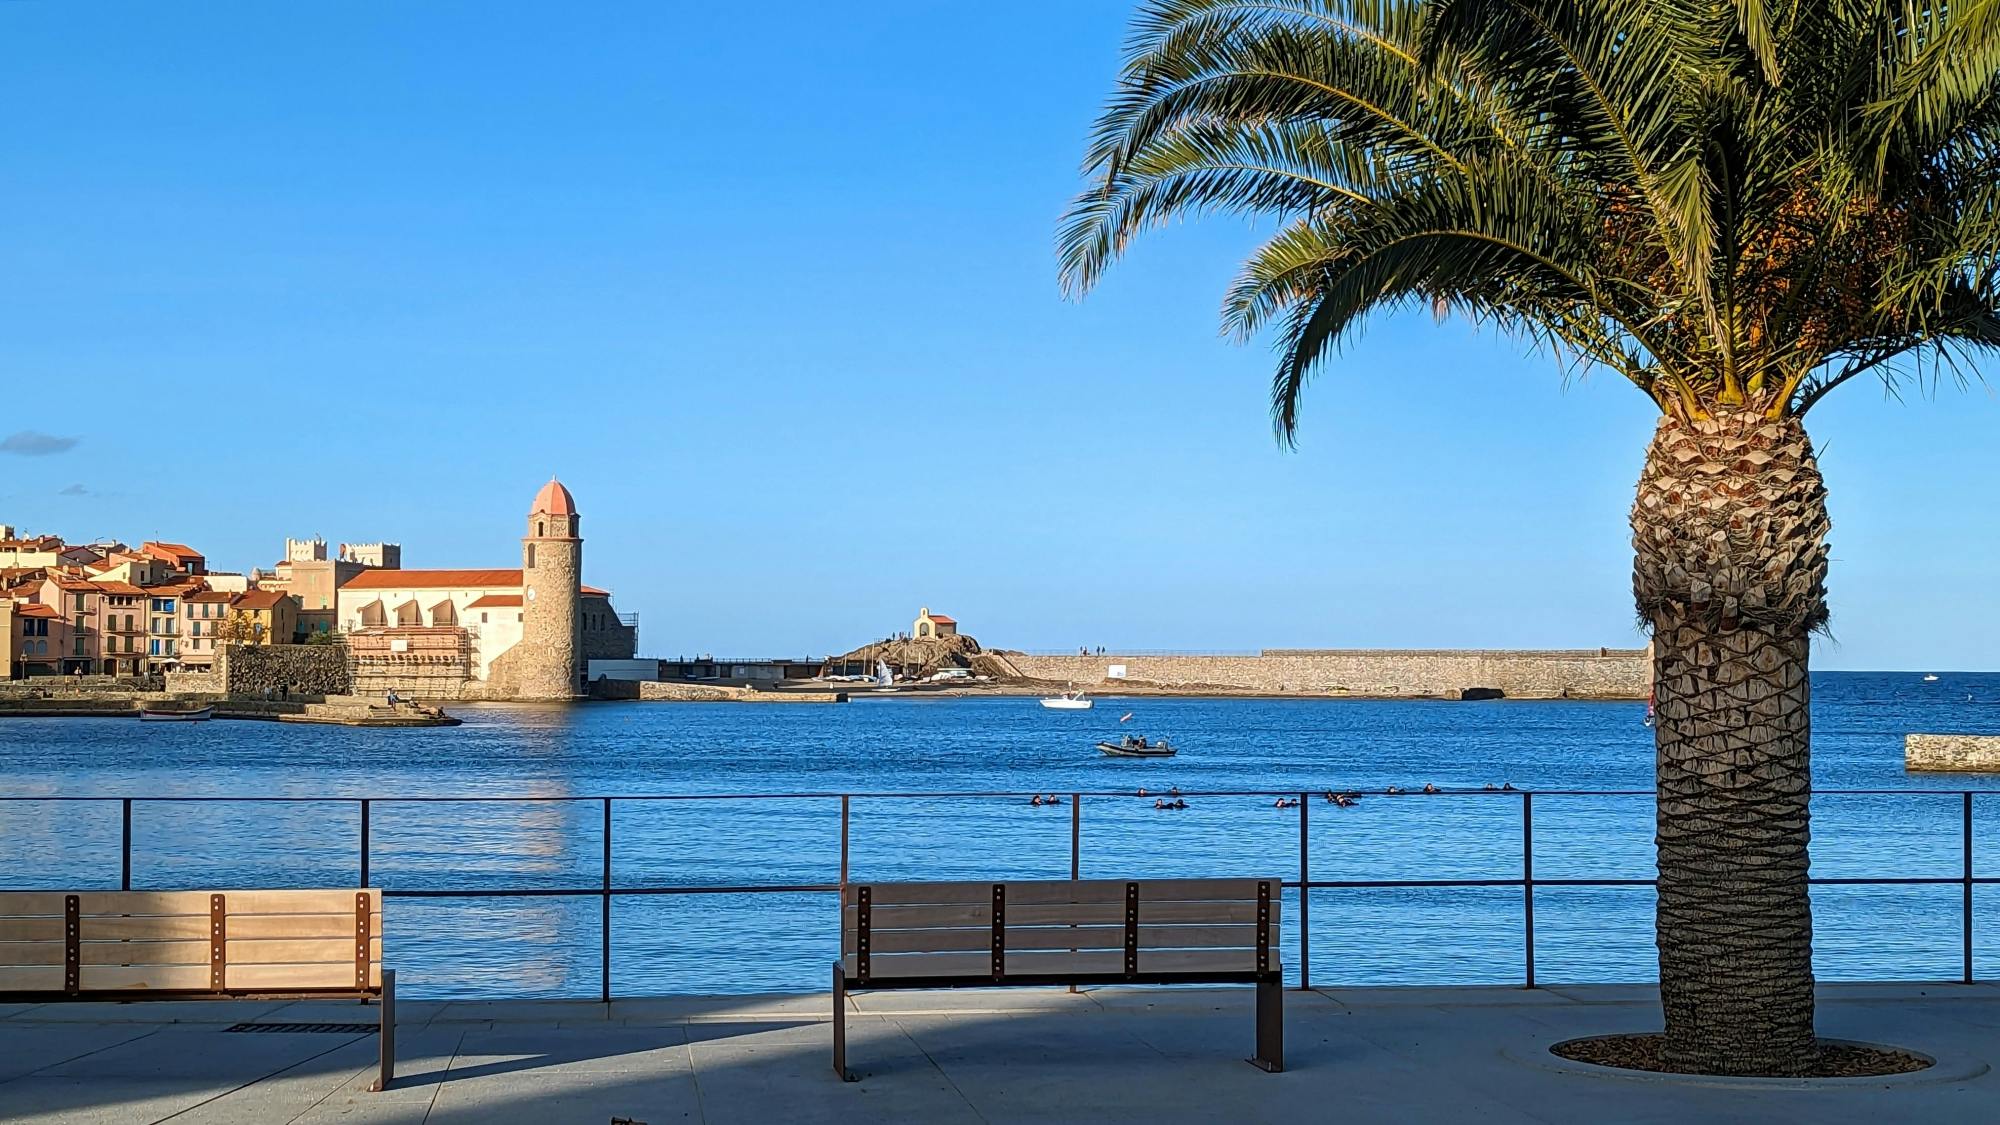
323	1028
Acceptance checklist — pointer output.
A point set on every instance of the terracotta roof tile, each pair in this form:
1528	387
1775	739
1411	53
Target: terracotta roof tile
509	580
260	599
37	609
553	500
497	601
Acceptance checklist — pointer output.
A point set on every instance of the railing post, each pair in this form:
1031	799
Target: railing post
1528	882
843	840
1305	899
364	841
1075	845
1966	906
1076	835
125	849
604	914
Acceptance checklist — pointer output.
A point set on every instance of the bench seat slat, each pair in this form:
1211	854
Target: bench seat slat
43	978
1198	960
332	951
278	977
49	904
145	952
31	929
143	978
31	953
1102	913
970	938
1030	892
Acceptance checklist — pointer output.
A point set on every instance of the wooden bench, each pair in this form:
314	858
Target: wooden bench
1063	932
198	945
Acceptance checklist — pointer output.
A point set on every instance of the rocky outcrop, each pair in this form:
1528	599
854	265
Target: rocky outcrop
916	657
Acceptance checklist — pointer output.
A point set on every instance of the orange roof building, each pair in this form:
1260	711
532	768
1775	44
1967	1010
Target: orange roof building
180	556
392	616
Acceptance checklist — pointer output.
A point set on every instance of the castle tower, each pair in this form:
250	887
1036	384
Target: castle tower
550	665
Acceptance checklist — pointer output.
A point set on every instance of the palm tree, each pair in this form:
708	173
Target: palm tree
1736	205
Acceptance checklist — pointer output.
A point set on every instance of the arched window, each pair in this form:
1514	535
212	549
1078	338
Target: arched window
541	529
531	556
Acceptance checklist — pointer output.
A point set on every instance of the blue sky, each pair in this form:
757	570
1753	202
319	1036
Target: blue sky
773	288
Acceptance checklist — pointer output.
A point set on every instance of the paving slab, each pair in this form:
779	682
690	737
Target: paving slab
1124	1055
149	1011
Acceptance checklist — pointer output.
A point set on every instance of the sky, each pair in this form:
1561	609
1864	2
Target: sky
773	289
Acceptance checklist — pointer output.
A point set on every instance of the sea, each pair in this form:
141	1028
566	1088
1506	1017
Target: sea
727	832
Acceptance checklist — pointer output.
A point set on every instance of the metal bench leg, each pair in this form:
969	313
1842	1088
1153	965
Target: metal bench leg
840	1025
1270	1026
388	1032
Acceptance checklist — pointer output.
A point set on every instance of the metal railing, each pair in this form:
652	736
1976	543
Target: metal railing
606	891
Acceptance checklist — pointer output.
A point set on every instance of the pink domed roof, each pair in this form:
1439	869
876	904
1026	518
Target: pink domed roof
554	500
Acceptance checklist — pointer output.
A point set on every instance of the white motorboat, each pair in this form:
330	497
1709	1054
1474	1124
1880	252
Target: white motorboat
1071	700
1931	679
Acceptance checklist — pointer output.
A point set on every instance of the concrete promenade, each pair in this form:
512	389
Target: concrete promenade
1113	1055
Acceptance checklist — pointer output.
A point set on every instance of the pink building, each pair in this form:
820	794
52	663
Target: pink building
39	636
81	604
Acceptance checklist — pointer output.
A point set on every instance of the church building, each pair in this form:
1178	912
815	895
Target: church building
514	634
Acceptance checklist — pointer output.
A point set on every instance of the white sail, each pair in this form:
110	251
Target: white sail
882	674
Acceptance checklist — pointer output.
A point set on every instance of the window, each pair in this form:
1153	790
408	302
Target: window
482	619
531	556
155	650
196	630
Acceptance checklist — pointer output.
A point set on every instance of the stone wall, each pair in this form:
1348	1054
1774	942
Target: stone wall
257	671
1439	673
1952	753
197	683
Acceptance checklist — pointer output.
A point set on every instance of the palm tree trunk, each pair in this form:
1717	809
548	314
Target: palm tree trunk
1729	534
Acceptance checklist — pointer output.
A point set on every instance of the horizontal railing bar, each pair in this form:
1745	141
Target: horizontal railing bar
1291	791
599	892
1288	884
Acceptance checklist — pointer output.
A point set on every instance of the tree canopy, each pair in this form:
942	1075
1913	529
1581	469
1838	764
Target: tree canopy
1734	204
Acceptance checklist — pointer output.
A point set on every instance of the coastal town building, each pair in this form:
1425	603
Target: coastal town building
122	629
263	617
486	633
39	634
930	624
18	552
307	573
81	603
182	558
206	614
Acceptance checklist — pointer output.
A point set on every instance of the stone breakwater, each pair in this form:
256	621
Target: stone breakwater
1952	753
1367	673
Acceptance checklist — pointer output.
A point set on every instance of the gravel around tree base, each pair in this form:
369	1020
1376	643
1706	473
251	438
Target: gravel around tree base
1642	1052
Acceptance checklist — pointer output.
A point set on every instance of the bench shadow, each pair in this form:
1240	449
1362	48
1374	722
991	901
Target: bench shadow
622	1041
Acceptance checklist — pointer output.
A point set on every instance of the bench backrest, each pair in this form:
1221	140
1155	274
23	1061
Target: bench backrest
1145	929
191	943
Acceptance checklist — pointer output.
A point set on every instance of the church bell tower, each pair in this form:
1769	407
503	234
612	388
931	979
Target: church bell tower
551	666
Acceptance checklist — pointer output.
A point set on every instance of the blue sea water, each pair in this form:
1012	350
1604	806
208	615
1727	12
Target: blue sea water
564	759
